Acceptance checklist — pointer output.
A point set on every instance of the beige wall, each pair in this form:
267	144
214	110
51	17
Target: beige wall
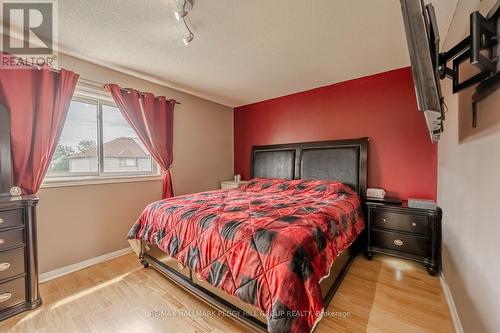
82	222
469	179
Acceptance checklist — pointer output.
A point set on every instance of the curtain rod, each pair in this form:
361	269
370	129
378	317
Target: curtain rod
100	85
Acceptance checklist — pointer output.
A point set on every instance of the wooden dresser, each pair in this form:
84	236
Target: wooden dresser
405	232
18	249
18	256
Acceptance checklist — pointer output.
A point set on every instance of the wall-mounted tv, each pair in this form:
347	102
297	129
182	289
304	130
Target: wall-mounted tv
422	37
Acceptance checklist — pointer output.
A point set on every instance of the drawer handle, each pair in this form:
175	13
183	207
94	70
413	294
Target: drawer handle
4	266
384	220
413	224
2	240
5	296
398	242
2	221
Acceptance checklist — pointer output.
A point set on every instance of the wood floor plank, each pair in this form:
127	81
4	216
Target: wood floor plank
383	295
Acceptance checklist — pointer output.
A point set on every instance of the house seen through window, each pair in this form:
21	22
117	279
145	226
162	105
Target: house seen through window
97	141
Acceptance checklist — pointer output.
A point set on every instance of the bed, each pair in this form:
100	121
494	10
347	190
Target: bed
272	253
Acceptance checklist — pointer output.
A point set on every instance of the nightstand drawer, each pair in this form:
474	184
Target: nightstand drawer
11	218
402	222
11	263
11	238
12	293
401	242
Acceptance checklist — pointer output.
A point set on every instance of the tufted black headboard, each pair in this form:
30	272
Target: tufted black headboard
342	160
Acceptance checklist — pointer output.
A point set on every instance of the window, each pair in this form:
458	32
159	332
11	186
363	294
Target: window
123	150
76	152
97	142
129	162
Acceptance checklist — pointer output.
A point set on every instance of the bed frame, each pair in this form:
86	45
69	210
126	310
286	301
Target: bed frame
342	160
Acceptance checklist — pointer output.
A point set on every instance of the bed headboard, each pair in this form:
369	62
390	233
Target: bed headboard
342	160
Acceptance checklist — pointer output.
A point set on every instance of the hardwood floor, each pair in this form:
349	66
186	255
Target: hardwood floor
383	295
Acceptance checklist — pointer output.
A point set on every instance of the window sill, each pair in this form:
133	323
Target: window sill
85	181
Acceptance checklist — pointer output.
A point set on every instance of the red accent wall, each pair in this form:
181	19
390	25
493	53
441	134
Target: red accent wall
401	158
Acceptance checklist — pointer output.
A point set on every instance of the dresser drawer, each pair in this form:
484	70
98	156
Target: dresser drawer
402	222
11	218
11	238
401	242
12	292
11	263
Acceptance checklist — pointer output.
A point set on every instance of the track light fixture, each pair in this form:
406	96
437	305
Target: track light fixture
183	8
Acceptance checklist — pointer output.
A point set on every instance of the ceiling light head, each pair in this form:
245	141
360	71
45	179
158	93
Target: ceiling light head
180	14
188	39
184	5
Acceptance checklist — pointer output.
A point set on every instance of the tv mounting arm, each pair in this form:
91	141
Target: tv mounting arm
483	37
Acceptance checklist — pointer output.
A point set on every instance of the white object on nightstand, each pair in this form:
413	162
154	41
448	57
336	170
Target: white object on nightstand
376	193
229	184
422	204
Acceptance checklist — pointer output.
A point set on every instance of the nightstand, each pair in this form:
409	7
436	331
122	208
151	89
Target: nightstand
229	184
404	232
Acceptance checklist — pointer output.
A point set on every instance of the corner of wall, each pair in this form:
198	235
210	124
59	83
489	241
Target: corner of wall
468	162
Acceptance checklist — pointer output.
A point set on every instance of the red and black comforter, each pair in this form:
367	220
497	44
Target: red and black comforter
269	243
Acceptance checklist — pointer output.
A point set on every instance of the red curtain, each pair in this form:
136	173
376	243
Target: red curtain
153	120
38	101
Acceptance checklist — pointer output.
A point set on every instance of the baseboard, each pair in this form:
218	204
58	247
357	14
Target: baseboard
451	304
44	277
